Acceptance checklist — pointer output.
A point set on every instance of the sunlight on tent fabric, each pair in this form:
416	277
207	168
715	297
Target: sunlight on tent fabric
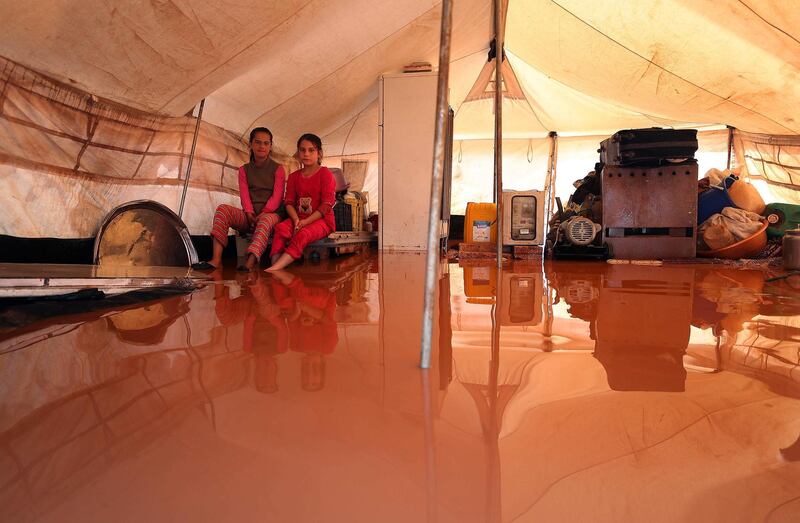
585	70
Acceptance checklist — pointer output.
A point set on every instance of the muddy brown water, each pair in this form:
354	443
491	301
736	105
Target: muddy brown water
616	393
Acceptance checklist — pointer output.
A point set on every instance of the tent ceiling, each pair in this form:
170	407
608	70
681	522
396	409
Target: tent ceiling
687	60
300	65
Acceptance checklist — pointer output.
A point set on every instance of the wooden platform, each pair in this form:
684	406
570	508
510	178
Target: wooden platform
335	244
341	243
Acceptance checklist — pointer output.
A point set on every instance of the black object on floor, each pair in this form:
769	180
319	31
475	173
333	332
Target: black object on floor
456	231
18	313
203	266
45	250
578	252
343	215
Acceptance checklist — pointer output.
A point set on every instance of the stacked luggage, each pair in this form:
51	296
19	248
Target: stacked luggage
649	187
649	147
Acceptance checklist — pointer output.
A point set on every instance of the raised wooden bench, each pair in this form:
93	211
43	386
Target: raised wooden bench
336	243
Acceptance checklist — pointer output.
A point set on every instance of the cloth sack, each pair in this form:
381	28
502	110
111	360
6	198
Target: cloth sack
728	227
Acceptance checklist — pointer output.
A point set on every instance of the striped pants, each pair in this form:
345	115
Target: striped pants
284	234
230	217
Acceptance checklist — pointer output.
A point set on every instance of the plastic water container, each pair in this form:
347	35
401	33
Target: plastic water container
781	218
714	199
480	223
745	196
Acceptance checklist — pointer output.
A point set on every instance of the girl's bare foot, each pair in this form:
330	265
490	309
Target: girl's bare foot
282	261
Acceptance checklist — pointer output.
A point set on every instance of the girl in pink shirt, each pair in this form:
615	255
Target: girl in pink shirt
261	185
309	203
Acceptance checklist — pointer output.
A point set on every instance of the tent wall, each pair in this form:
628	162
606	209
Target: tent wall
525	164
524	167
66	159
772	163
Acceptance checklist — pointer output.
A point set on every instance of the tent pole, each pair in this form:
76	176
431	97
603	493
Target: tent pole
730	145
191	157
434	221
550	179
498	123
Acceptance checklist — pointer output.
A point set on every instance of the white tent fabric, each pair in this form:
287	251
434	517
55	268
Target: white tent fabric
586	69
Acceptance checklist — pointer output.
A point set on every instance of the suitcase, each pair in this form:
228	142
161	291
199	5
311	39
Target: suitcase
650	147
343	216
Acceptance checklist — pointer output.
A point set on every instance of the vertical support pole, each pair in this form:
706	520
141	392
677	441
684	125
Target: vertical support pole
191	157
730	146
434	221
498	123
550	179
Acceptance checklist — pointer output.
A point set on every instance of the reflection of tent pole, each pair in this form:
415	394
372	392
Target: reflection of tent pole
498	123
492	435
191	157
434	221
430	448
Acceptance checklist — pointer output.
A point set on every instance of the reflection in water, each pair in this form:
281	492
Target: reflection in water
605	393
642	327
148	325
281	313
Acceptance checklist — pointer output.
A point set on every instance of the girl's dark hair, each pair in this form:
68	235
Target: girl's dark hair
253	135
314	139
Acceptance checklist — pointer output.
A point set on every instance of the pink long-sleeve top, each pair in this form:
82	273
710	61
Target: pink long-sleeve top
277	191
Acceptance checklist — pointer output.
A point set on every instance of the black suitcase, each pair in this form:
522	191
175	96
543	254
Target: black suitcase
343	216
649	147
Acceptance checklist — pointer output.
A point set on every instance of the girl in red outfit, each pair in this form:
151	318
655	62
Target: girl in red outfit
309	204
261	184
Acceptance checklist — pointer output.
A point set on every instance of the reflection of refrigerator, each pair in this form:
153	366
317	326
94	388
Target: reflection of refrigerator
407	121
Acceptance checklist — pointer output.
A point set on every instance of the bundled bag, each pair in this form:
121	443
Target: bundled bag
728	227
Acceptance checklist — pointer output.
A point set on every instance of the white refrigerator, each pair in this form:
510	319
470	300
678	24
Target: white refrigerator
406	123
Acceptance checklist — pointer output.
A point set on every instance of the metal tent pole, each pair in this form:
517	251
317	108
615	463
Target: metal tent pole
191	157
434	221
498	124
550	178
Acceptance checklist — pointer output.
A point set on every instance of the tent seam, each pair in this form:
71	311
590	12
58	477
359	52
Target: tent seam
612	103
344	144
724	99
67	172
362	111
768	22
248	46
359	55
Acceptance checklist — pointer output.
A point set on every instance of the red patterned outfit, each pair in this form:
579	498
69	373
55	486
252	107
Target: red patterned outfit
261	192
307	194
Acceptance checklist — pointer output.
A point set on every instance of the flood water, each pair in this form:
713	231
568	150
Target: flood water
615	393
